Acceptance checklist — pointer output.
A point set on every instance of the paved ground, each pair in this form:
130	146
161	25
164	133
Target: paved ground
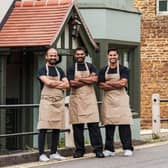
145	156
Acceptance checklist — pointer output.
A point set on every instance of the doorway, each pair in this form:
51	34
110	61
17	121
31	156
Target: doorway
19	83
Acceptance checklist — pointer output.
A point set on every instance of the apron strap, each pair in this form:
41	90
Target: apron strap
58	73
108	67
86	66
47	70
56	69
106	72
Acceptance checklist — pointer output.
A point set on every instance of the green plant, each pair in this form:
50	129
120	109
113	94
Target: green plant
155	136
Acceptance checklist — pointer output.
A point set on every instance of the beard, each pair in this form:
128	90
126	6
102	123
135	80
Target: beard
52	61
80	59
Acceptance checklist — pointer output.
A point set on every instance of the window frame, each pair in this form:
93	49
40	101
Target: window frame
161	12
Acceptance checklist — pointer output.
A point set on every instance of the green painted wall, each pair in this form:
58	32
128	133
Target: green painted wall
112	19
112	24
117	4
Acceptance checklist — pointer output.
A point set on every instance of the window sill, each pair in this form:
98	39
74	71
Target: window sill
162	13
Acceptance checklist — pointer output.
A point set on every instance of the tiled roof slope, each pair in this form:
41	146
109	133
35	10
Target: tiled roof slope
34	23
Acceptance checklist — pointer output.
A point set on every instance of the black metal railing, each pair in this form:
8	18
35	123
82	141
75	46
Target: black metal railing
18	106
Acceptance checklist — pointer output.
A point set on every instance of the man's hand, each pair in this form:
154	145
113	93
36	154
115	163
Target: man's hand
64	84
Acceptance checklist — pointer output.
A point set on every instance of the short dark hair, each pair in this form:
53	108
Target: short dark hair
81	48
112	49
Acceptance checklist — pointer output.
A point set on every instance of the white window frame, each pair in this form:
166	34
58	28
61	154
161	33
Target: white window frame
161	12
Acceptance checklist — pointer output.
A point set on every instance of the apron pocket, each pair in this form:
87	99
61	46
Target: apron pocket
51	109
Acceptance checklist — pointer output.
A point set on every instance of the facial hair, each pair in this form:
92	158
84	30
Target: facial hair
80	59
52	61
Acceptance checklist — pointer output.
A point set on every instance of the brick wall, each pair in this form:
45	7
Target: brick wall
154	60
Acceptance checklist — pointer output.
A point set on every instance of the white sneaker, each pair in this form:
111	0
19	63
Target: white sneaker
128	152
43	158
56	156
108	153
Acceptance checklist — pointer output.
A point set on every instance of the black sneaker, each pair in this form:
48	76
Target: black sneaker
78	155
99	155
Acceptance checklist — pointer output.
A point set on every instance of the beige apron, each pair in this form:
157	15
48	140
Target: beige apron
83	104
115	106
51	109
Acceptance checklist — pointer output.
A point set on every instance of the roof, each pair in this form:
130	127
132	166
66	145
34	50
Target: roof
37	23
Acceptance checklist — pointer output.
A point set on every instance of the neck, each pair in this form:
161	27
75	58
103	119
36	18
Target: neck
80	62
113	65
51	65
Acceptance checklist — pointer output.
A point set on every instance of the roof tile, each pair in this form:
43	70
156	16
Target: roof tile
31	24
37	23
39	3
27	3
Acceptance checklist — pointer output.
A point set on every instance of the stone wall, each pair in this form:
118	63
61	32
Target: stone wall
154	60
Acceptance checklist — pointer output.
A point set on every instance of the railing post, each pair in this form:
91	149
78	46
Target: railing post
155	114
69	142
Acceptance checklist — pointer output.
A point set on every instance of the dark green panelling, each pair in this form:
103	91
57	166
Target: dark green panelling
137	79
63	39
118	42
67	52
86	42
2	100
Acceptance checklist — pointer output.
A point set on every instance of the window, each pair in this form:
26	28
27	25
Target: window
162	7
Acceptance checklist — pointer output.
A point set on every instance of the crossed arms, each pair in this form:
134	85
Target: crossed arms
63	84
111	85
84	81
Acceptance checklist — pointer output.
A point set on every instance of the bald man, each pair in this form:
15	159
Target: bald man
51	110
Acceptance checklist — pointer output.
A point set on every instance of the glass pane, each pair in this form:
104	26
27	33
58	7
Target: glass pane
163	5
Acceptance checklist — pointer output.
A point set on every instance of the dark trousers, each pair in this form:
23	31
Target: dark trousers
95	137
54	143
125	137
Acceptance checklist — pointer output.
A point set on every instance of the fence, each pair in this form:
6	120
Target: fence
156	119
68	128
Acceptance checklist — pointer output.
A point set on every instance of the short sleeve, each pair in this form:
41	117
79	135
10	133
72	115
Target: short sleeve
124	73
62	73
92	68
41	72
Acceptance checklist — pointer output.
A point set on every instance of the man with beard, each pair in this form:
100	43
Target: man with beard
51	109
83	104
115	111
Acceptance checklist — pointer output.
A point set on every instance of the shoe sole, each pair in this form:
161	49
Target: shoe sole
109	156
56	159
44	160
